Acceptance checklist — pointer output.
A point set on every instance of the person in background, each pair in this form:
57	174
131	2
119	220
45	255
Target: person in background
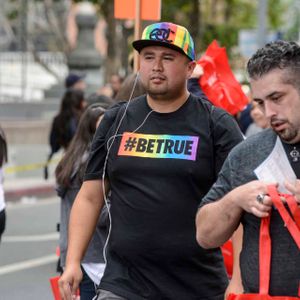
158	155
244	118
131	88
260	122
104	100
193	85
115	83
3	160
69	175
65	123
239	196
75	82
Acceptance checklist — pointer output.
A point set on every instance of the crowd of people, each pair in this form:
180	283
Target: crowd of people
145	162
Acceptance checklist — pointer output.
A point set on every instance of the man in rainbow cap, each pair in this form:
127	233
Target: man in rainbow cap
160	154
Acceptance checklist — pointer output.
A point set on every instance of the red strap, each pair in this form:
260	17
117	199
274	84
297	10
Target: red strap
294	208
264	256
289	222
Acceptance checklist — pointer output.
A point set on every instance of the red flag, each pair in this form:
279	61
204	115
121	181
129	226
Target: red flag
218	81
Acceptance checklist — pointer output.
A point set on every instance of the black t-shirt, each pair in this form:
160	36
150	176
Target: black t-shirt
158	175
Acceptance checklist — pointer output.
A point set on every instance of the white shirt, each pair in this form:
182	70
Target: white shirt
94	271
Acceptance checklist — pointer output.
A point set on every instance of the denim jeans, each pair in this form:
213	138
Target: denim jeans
87	287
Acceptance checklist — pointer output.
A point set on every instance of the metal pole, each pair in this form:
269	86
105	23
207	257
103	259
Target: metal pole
137	32
262	22
23	46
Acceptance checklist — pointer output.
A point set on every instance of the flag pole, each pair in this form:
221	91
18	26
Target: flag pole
137	33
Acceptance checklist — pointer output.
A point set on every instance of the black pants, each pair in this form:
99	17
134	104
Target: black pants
2	222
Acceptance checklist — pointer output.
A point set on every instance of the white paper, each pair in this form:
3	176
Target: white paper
276	168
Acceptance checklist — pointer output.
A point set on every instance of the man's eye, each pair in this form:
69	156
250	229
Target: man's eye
168	57
276	99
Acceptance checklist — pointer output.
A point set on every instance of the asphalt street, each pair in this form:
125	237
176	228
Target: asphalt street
27	250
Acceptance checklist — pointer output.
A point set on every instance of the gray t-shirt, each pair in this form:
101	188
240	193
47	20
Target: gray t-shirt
237	170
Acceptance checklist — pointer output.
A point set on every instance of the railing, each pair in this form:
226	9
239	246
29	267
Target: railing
24	79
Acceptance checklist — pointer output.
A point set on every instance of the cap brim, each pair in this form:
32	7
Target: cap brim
140	44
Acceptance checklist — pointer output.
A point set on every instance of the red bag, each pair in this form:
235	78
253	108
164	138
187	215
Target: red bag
55	288
293	225
218	82
227	252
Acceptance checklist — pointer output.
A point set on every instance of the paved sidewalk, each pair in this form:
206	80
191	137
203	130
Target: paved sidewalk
16	189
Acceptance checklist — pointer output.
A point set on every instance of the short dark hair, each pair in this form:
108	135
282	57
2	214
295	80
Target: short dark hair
72	79
277	55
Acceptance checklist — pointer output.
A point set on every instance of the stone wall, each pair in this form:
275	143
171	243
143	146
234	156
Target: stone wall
26	131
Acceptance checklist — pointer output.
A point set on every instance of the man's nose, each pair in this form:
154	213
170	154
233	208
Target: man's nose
157	65
270	109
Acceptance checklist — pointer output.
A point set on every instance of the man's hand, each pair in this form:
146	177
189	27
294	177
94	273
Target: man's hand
234	287
247	198
198	72
294	189
69	282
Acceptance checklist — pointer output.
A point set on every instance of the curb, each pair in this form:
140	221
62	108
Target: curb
34	192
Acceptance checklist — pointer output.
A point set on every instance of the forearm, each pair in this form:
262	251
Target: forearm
217	221
237	242
235	285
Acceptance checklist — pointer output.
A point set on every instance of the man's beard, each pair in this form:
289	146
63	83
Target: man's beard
164	93
287	134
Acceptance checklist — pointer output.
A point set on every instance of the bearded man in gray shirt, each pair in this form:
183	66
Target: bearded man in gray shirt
233	200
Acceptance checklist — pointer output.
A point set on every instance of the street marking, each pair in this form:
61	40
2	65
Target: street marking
28	264
29	167
30	238
20	205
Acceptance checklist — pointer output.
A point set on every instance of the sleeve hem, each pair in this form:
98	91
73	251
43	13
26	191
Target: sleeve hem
93	176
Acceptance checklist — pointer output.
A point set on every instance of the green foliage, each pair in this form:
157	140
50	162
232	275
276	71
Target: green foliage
97	3
176	11
13	14
276	10
223	19
227	36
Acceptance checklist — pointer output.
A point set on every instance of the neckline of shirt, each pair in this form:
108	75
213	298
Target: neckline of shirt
169	115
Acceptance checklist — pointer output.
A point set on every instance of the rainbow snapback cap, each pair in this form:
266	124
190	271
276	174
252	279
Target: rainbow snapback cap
167	35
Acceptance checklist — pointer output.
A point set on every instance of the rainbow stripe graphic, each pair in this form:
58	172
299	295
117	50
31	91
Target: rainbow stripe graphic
172	34
159	146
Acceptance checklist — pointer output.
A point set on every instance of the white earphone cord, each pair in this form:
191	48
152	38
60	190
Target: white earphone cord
109	145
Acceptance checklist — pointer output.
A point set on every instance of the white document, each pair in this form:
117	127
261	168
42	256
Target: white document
276	168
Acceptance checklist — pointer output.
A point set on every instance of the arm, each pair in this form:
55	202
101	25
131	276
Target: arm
217	221
83	219
235	285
